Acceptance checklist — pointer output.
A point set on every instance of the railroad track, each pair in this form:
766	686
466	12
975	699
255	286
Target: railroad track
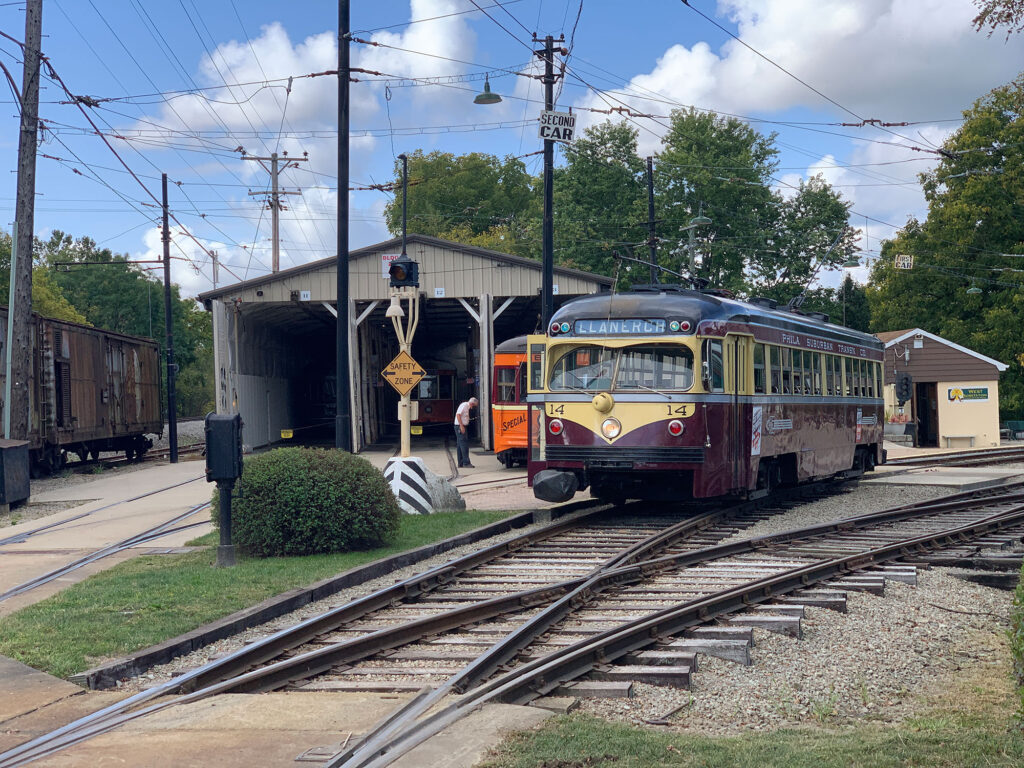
590	591
962	458
114	461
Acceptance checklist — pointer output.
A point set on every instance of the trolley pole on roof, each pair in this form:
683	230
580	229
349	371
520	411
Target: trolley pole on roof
172	405
342	418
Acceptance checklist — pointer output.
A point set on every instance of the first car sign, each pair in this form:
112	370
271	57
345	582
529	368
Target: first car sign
557	126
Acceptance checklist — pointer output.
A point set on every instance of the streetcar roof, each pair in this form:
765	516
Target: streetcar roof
697	307
518	344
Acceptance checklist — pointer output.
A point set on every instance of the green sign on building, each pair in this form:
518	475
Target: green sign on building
963	394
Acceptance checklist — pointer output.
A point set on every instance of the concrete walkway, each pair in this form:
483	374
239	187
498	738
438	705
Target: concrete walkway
112	517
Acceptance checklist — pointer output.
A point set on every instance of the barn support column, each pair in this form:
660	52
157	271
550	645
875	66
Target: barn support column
485	322
357	354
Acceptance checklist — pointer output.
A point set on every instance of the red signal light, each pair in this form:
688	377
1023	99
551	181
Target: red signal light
676	428
555	427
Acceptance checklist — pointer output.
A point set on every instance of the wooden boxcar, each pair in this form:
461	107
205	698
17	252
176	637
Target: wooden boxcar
509	402
92	390
679	394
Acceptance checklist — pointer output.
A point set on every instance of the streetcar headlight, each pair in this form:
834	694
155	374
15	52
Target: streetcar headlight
611	428
555	427
676	428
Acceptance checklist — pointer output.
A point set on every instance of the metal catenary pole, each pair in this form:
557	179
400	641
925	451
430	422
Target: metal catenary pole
172	405
19	314
652	239
342	419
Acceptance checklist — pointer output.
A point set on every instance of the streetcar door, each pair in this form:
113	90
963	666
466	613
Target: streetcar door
737	353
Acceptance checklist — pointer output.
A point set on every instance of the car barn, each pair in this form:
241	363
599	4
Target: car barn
274	338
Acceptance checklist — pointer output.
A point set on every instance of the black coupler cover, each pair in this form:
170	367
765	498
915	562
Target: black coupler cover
552	485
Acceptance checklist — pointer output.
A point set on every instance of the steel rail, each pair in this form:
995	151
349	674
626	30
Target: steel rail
204	681
984	456
20	538
237	662
542	675
509	647
155	532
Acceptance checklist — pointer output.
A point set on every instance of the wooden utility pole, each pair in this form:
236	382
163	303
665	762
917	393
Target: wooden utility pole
172	369
652	224
274	200
20	315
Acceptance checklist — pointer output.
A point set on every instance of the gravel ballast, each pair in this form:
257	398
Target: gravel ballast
867	664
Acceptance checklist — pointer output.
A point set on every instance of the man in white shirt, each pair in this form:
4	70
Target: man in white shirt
461	430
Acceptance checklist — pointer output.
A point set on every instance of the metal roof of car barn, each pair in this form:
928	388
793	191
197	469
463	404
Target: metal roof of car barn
447	269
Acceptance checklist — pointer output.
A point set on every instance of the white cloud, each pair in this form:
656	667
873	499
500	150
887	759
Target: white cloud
885	59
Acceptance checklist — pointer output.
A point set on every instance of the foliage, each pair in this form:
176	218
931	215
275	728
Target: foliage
47	298
452	195
999	13
122	298
846	305
302	501
973	236
600	201
150	599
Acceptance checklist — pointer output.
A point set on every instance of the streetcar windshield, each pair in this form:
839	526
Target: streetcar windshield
643	367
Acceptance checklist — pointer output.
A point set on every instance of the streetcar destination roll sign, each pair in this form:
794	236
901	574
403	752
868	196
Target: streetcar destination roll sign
619	327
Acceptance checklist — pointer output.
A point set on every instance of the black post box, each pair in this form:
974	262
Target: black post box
223	447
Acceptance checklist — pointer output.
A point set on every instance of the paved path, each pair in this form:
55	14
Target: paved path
113	518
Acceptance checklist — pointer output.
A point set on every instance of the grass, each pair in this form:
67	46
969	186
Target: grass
968	722
153	598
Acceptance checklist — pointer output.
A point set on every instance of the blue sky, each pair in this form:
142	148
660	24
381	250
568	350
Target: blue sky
164	67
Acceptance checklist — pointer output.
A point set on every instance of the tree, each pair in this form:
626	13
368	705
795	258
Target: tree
47	298
450	195
999	13
973	236
846	305
600	200
115	295
811	234
722	168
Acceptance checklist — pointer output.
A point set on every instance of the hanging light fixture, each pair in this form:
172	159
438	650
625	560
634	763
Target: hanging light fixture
851	263
487	97
973	290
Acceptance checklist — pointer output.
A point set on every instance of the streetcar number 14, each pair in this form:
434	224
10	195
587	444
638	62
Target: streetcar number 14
677	410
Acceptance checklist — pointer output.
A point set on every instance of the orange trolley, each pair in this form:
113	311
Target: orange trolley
509	401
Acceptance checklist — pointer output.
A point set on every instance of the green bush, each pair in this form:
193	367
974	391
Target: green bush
302	501
1017	644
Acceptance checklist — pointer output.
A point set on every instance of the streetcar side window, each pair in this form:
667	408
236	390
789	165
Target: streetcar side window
655	367
505	382
521	398
830	375
536	367
848	365
714	366
863	378
878	380
759	378
787	371
776	368
800	374
816	368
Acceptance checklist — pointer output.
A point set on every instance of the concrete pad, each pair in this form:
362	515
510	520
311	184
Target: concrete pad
112	518
467	742
53	716
954	478
26	689
240	731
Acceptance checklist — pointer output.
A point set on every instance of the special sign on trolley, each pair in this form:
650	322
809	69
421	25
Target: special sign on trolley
403	373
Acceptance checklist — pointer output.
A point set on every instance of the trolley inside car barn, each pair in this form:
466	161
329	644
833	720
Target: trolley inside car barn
274	338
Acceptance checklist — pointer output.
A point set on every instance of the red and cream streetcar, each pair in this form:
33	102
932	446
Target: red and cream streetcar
675	394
